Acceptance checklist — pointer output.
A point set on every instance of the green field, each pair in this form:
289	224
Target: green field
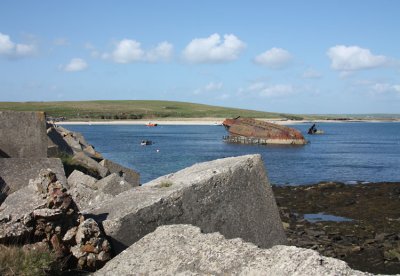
122	110
139	109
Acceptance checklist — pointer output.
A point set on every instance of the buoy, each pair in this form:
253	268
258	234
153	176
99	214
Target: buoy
158	150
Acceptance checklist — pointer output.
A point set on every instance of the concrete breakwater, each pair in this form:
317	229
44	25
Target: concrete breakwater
100	212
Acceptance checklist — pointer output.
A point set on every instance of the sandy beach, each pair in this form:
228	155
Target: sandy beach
177	121
205	121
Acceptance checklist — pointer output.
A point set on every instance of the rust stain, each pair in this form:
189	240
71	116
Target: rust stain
41	115
251	128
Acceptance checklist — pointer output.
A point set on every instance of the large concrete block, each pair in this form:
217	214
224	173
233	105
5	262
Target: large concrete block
113	184
78	177
4	190
23	134
231	196
184	250
128	174
57	144
86	197
16	172
84	160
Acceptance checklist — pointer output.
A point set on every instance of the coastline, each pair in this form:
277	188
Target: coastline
208	121
357	223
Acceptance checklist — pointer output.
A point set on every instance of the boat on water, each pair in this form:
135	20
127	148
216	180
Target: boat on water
252	131
146	143
150	124
313	130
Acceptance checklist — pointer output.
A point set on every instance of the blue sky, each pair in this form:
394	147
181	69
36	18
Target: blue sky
280	56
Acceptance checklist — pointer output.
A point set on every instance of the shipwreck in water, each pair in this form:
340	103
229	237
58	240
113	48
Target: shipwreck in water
252	131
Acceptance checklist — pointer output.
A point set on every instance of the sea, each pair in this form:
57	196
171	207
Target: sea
350	152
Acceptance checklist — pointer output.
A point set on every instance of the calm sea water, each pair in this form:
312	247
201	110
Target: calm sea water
346	152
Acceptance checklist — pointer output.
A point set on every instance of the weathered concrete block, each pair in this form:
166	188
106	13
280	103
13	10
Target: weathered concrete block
78	177
86	197
73	143
4	190
23	134
91	152
113	184
184	250
84	160
16	172
230	195
128	174
22	202
56	143
15	212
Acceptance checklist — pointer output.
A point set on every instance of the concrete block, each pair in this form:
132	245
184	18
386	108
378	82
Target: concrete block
231	196
78	177
84	160
4	190
86	197
56	143
113	184
129	175
23	134
184	250
16	172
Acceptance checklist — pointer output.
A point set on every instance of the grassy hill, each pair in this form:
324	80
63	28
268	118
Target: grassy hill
138	109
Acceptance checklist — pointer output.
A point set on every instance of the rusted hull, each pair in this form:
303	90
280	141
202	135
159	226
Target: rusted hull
255	129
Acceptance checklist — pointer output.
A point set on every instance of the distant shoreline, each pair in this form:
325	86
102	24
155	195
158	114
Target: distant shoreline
211	121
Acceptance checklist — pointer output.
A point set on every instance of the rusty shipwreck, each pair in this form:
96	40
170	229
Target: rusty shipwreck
252	131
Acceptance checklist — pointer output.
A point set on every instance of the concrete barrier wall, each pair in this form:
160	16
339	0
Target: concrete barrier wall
23	134
16	172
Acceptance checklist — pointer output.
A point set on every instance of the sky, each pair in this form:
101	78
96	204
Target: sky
304	57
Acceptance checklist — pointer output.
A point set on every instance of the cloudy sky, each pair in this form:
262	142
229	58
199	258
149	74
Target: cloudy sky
284	56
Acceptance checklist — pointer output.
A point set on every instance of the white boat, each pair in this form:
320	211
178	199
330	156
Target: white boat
146	143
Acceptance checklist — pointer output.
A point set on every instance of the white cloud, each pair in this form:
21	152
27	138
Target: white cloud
277	90
6	45
76	64
12	50
376	87
275	58
213	49
353	58
211	86
383	88
163	51
129	51
256	86
274	90
311	74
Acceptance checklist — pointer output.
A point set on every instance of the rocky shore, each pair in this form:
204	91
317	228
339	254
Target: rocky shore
216	217
367	235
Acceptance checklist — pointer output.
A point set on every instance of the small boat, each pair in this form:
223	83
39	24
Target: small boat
313	130
146	143
150	124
